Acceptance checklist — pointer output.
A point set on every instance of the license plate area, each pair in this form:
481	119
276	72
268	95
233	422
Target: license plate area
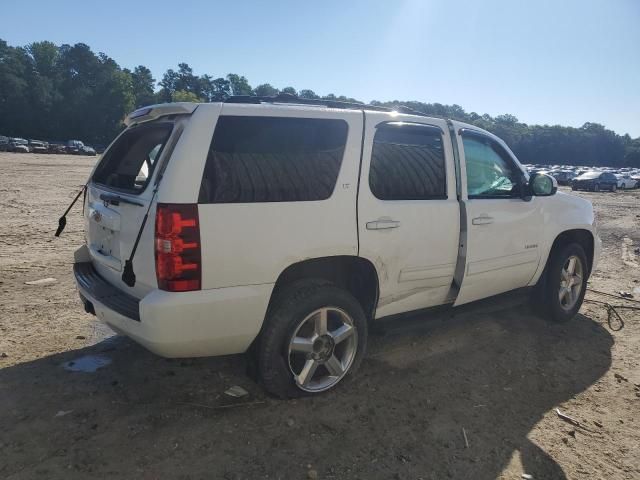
104	235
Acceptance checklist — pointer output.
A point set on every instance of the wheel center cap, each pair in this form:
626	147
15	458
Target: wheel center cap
323	348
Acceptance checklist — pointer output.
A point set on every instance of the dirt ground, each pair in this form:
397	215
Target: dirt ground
492	370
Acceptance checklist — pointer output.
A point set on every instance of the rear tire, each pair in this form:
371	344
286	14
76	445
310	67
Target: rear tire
296	356
560	293
596	187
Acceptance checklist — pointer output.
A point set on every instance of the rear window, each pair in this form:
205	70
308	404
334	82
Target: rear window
273	159
128	165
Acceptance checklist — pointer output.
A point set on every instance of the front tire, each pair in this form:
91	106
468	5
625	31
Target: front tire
565	283
315	336
614	188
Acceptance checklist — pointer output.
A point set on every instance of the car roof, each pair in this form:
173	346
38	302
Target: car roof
152	112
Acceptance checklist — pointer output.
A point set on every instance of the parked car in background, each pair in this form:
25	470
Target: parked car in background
87	150
564	177
57	147
4	143
38	146
595	181
99	148
636	177
625	181
74	147
18	145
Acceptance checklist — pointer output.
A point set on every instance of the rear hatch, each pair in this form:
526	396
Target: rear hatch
119	195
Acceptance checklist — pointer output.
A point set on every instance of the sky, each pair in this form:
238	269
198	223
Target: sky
546	61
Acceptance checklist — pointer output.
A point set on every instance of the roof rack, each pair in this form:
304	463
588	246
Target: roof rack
294	100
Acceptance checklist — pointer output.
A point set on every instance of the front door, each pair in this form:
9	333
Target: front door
408	214
501	251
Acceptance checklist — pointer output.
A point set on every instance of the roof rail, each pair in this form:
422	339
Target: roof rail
294	100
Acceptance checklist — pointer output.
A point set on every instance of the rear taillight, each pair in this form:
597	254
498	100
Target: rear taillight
177	244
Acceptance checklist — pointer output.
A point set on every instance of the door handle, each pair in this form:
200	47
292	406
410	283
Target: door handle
482	220
382	224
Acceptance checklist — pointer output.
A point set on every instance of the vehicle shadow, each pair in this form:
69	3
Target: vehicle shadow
494	370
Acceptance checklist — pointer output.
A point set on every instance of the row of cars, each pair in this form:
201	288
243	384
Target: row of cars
591	178
21	145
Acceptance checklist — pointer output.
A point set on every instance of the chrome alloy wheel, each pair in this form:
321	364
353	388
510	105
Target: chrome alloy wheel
570	283
322	349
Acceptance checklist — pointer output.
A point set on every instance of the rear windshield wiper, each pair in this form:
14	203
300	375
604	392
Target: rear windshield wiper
116	199
62	221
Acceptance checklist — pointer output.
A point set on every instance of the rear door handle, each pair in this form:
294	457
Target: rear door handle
382	224
482	220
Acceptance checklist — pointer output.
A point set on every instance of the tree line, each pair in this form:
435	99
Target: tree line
59	92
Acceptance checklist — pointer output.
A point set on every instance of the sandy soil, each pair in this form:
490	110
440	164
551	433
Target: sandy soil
493	369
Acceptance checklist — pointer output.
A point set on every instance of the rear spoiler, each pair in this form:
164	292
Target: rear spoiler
153	112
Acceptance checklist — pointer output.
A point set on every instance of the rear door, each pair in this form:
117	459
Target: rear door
408	214
278	187
501	248
118	196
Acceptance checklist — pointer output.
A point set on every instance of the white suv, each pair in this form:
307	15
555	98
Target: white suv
284	228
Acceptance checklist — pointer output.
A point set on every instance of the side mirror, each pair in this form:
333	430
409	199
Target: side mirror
542	185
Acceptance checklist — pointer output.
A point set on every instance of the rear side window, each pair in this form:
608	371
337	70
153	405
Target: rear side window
129	163
407	163
273	159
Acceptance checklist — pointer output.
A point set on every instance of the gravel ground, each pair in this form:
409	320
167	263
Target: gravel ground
492	370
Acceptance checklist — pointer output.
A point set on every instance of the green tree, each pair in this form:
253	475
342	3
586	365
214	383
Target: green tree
143	86
184	96
167	85
239	85
310	94
215	89
290	91
14	90
265	90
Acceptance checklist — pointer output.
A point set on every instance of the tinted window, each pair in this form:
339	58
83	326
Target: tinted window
407	163
129	163
273	159
490	171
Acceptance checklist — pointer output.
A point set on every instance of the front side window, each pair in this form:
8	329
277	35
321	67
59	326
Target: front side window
407	163
273	159
128	165
490	171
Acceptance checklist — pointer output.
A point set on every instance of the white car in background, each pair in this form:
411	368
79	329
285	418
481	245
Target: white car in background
625	181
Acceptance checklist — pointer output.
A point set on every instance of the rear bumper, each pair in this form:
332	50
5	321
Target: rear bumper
186	324
92	285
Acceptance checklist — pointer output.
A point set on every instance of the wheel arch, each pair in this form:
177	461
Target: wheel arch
581	236
355	274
